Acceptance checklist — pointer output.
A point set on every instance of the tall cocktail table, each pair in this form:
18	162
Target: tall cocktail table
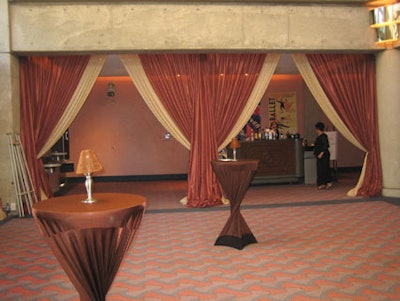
90	240
235	178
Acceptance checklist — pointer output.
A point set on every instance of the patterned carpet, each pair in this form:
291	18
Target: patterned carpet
337	249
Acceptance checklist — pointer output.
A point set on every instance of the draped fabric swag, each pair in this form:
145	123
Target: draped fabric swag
79	97
344	86
202	97
53	89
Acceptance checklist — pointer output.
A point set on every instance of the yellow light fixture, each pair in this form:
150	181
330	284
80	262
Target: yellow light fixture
386	20
88	163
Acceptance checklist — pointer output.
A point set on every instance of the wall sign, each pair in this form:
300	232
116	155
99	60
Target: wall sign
282	108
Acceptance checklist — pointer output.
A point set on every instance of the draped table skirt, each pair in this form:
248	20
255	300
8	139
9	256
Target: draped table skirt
90	240
235	178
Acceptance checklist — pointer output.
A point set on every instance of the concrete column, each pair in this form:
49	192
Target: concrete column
9	104
388	93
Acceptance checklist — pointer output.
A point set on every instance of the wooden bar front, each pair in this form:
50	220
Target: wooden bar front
280	161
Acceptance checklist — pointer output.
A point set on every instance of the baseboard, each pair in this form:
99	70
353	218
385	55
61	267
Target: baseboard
167	177
349	169
138	178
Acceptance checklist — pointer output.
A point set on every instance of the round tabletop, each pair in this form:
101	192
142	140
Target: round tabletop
105	202
69	212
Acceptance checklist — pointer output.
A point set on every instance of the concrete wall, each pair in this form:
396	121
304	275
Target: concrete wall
123	26
9	105
388	75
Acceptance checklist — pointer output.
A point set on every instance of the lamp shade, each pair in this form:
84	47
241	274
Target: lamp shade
88	162
235	143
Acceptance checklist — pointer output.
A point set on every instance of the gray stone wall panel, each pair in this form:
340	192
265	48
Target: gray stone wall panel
179	27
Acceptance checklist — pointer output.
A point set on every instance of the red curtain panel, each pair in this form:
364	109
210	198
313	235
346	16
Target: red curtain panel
47	85
349	82
205	95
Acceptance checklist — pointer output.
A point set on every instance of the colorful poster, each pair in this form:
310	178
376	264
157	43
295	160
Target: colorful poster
254	124
282	108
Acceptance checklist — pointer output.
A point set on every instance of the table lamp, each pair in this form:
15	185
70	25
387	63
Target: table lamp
234	145
88	163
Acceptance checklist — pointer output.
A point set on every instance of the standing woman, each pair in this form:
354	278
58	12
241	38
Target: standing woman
321	152
274	128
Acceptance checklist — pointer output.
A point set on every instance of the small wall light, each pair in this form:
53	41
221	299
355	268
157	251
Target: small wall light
167	136
110	89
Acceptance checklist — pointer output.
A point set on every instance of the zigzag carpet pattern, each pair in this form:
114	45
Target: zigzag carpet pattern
318	248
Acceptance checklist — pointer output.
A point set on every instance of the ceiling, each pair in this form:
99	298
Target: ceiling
350	2
114	67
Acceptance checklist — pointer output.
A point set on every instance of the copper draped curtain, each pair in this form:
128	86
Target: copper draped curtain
47	85
205	94
348	80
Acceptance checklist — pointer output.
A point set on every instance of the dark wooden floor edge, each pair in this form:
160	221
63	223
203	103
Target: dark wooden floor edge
139	178
393	201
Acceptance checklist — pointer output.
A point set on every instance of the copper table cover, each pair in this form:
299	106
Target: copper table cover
235	178
90	240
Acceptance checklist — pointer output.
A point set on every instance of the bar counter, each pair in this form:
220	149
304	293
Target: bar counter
280	161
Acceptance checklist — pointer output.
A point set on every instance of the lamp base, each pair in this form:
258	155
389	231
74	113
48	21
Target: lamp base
89	201
88	185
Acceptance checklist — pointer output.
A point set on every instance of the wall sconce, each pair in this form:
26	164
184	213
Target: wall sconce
167	136
385	20
110	89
